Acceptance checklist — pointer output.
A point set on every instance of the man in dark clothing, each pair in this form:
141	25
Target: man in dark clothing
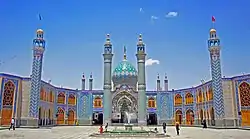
164	125
177	127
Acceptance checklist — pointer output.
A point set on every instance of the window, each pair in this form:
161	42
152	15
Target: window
178	100
97	102
189	98
151	103
72	99
61	98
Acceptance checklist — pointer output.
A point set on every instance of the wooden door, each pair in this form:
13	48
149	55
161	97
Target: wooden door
71	117
245	114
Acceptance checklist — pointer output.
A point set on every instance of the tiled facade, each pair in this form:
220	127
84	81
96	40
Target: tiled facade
33	102
165	102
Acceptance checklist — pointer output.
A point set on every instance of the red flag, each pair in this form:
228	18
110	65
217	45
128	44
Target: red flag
213	19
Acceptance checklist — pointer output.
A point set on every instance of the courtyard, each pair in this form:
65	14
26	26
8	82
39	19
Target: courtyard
83	132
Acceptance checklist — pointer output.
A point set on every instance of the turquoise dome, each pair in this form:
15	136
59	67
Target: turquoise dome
124	73
124	68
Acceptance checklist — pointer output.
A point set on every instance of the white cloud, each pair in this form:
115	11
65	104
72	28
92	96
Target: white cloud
141	10
172	14
150	62
154	17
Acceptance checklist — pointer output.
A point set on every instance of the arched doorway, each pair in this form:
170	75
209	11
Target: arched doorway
212	116
244	91
152	119
71	117
178	116
97	118
189	117
50	117
8	98
201	115
60	116
122	103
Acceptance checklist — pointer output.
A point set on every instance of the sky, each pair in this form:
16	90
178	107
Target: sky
175	33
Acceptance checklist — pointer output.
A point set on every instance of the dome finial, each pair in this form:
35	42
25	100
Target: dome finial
140	41
124	53
108	42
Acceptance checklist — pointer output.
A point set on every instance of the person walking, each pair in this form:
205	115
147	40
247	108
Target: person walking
204	123
106	127
12	124
177	127
164	125
101	129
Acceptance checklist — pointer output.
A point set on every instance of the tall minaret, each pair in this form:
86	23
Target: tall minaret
218	100
83	81
158	83
141	55
107	55
166	82
90	81
38	50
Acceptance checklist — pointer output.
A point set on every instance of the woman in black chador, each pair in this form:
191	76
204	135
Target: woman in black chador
204	123
164	125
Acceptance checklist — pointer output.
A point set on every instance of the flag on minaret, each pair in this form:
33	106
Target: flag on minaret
213	19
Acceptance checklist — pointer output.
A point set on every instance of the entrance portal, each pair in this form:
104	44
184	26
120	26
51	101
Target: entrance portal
97	118
124	103
152	119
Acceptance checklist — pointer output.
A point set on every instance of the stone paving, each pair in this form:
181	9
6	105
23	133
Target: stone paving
83	132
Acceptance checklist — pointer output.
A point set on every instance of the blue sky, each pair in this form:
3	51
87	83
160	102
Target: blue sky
75	34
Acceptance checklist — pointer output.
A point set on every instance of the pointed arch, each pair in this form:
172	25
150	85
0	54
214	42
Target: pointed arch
151	102
189	117
178	100
210	93
244	93
201	113
72	99
50	96
60	116
8	101
42	94
61	98
200	96
178	116
97	102
71	117
189	98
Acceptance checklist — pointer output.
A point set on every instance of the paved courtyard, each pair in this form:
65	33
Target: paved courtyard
82	132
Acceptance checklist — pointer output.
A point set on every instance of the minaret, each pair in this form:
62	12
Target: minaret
83	81
38	50
158	83
166	82
218	100
107	55
91	82
141	55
